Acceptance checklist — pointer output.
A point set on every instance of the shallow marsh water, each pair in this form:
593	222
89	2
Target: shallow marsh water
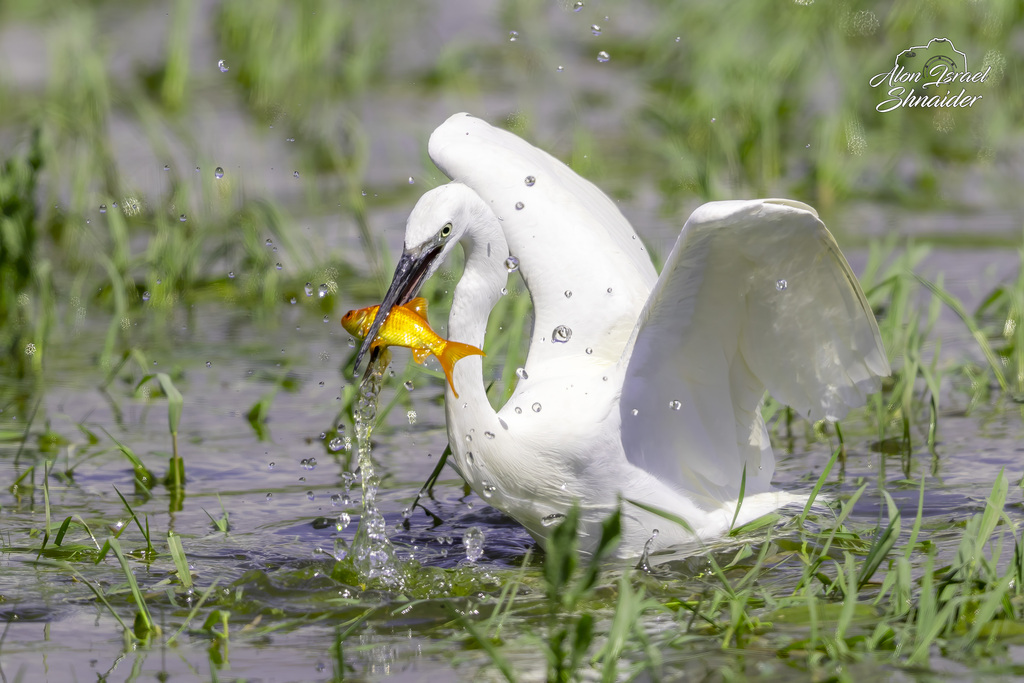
269	568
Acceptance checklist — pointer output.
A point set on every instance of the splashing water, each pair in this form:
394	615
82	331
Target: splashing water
372	554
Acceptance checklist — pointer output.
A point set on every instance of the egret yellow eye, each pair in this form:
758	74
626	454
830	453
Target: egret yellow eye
446	230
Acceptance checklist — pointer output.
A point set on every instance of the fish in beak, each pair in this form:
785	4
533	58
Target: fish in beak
409	276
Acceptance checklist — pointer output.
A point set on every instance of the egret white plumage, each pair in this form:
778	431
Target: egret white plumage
636	386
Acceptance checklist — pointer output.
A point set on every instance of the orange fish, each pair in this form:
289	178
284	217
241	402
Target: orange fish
407	326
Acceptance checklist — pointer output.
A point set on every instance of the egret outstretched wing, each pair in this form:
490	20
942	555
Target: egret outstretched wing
755	295
587	272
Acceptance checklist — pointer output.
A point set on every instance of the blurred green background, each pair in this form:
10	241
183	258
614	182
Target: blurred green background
148	150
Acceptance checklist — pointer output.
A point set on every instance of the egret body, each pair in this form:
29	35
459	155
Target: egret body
636	387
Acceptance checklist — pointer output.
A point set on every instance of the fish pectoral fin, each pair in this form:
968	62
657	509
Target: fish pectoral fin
418	306
420	355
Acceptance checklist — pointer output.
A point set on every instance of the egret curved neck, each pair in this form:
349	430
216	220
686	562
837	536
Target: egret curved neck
477	292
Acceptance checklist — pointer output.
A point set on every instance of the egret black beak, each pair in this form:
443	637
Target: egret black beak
405	285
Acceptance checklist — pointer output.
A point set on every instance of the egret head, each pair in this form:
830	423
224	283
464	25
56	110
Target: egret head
439	219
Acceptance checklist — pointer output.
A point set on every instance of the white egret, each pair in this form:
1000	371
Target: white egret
636	386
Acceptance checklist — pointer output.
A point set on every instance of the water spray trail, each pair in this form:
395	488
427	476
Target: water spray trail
372	554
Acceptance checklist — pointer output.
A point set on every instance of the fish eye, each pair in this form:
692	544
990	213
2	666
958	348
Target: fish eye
446	230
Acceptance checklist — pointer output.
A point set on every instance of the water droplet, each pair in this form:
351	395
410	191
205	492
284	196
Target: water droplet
590	351
145	296
504	291
521	373
278	265
568	294
197	169
182	218
780	285
519	206
219	173
322	290
343	521
552	519
473	539
675	405
595	29
351	343
511	264
489	435
602	56
292	301
470	458
512	35
270	496
536	407
411	181
167	167
530	180
519	411
309	289
469	438
270	465
560	68
488	489
609	290
411	417
678	39
103	208
222	66
336	499
635	411
311	464
712	119
335	444
209	364
269	242
577	6
309	495
231	275
561	334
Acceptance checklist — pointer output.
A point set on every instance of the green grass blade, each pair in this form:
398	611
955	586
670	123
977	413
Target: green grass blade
954	304
194	611
817	486
739	499
497	658
882	545
180	561
664	514
145	624
175	401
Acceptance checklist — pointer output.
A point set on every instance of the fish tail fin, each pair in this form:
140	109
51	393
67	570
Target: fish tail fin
452	353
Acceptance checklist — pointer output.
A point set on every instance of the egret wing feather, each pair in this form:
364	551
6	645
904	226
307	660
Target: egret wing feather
581	260
755	295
